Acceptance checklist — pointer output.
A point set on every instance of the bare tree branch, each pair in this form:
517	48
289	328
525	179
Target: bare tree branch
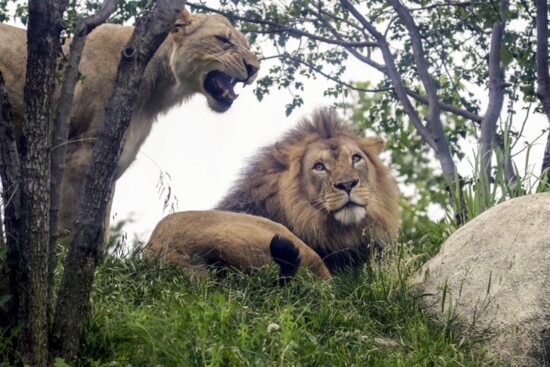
446	107
339	81
279	28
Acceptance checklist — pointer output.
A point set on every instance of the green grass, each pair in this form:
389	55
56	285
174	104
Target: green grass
148	314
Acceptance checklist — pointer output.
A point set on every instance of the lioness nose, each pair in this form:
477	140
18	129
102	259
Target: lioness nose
347	186
251	69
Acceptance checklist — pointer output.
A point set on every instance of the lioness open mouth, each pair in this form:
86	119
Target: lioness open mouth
220	86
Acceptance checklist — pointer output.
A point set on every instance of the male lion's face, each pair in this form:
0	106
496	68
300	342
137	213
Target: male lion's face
210	57
337	174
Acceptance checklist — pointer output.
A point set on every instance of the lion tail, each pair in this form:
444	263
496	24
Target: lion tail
287	255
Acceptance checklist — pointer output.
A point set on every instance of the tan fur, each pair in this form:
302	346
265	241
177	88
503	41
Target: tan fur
302	183
197	45
199	238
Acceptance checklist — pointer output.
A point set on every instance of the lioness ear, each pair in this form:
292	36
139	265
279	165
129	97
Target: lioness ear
374	144
185	23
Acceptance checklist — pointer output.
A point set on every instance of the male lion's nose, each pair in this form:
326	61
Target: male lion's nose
347	185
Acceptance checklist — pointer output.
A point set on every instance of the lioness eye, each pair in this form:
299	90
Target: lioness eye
319	166
356	158
223	39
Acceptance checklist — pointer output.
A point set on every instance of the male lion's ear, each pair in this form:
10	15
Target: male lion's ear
280	154
185	23
374	144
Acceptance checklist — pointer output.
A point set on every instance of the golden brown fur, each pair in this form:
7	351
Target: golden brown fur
195	239
203	54
327	185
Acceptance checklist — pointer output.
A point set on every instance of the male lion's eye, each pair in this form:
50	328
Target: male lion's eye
223	39
319	166
356	158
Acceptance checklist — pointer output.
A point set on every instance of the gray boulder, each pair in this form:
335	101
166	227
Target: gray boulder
493	275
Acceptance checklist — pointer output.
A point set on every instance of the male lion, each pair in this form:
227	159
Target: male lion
327	185
202	54
321	181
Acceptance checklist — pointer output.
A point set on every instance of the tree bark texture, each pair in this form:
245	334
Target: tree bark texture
543	77
43	44
44	27
62	121
87	235
9	173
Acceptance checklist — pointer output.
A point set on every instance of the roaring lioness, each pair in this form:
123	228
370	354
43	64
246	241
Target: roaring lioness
202	54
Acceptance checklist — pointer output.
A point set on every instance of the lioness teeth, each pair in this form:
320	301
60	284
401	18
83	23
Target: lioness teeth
230	94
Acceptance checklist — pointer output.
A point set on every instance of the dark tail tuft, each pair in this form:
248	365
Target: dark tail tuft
285	253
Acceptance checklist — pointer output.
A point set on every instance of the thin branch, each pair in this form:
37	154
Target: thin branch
447	107
446	4
279	28
339	81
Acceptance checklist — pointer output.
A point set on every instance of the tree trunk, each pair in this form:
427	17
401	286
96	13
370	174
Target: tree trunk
543	77
44	27
87	235
9	173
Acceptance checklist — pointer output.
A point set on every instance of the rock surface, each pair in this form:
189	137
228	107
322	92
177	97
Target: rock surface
493	274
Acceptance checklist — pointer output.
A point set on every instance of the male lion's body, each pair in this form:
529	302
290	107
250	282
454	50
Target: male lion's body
203	54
